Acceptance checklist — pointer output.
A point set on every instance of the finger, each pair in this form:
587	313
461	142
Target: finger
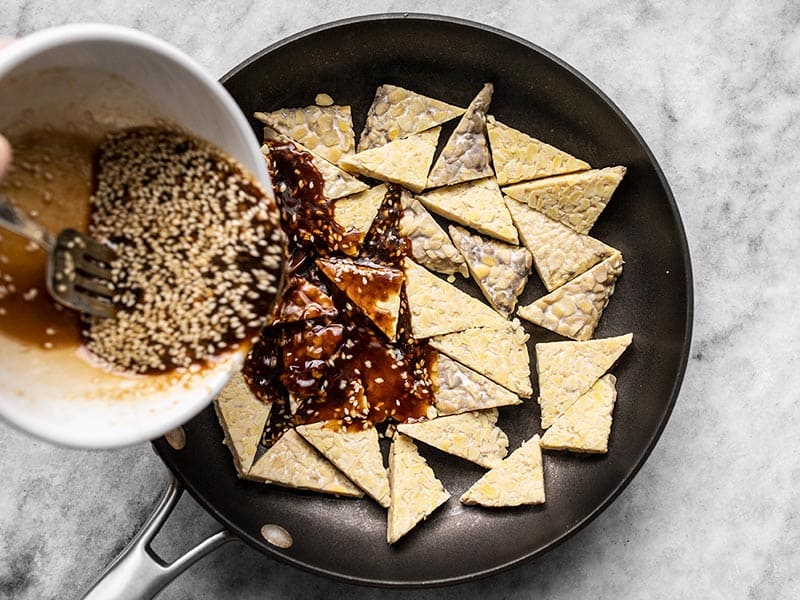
5	147
5	155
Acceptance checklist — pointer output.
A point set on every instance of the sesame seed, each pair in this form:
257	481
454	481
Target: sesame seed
192	274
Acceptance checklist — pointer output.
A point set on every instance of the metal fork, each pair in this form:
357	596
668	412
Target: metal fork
78	267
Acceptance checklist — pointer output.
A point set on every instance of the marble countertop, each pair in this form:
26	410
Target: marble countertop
715	512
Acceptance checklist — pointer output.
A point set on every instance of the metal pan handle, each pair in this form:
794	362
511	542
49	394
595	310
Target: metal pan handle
138	573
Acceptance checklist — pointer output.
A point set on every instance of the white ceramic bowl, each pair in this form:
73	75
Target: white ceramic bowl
117	77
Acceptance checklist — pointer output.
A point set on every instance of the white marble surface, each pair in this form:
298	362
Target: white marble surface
715	513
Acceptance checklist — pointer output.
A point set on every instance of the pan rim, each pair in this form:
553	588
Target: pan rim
682	241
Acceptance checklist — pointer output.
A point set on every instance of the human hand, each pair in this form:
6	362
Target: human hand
5	147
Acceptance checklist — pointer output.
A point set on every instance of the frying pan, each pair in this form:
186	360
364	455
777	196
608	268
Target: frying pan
536	92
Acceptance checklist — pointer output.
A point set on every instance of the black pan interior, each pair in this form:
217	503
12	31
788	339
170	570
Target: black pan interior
538	94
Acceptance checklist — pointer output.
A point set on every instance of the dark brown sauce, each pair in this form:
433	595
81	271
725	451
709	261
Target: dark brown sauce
306	214
301	300
50	180
367	282
383	242
336	366
199	253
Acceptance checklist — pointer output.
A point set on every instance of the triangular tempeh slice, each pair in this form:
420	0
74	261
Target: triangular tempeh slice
559	253
430	245
499	354
517	480
373	288
356	213
466	155
567	370
500	270
574	309
397	112
458	389
338	183
575	200
519	157
404	161
293	462
325	130
355	453
472	436
415	491
243	417
438	307
476	204
586	425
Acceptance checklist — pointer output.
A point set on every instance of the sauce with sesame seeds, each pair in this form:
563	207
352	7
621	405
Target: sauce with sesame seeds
301	300
383	242
192	228
306	214
200	253
370	285
337	366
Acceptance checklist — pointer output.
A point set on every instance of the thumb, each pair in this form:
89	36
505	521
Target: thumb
5	155
5	147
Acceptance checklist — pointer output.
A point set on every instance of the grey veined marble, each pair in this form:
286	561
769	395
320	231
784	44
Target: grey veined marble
715	513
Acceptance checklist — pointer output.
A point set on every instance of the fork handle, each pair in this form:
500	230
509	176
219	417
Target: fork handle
15	220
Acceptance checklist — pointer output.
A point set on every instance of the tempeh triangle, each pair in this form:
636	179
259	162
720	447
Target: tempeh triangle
559	253
472	436
466	155
404	161
568	369
499	354
574	309
355	453
519	157
338	183
575	200
293	462
430	245
586	425
516	481
325	130
242	417
356	213
397	112
438	307
500	270
458	389
415	491
476	204
373	288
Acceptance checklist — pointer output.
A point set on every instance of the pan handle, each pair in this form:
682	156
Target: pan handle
138	573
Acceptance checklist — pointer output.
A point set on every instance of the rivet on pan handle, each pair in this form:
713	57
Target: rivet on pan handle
138	573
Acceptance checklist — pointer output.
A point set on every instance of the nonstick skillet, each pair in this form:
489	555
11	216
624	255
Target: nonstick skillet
537	93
